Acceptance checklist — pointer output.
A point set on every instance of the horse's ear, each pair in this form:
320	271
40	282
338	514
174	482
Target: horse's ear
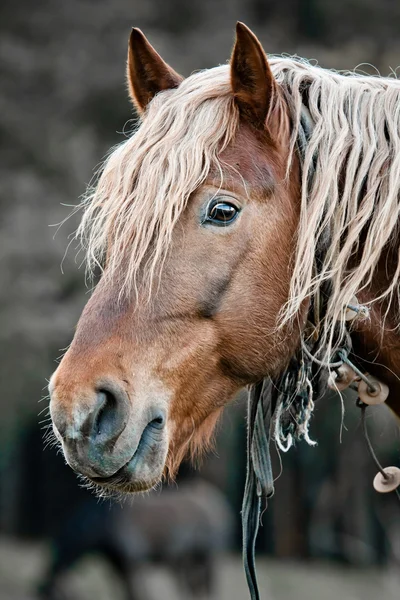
147	73
252	81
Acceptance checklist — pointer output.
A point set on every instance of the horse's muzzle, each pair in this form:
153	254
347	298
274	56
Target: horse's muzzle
105	441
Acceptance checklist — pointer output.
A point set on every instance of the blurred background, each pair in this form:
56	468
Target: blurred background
63	104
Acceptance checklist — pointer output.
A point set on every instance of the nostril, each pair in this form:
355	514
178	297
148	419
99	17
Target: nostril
106	422
107	419
158	422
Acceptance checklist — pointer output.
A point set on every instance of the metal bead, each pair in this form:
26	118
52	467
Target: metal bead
373	397
383	485
340	379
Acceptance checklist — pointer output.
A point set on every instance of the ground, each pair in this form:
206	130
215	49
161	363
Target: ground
22	563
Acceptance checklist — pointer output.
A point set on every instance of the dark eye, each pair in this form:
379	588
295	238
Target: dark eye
221	212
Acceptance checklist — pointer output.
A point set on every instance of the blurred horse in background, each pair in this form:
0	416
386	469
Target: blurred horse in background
183	528
253	202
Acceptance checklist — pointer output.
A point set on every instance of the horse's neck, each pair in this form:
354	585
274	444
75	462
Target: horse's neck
376	341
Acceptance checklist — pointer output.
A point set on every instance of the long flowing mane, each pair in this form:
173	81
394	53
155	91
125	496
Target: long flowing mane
147	181
350	177
350	182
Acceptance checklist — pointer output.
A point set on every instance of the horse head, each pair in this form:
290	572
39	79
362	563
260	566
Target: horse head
194	219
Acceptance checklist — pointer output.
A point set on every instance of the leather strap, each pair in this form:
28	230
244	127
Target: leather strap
259	478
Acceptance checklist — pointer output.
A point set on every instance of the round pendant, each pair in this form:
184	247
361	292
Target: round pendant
374	396
384	485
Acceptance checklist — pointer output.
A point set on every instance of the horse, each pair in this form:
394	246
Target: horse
183	529
255	204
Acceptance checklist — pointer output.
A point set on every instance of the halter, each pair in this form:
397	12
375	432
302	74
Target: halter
281	408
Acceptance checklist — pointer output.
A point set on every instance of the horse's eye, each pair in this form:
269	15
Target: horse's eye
222	213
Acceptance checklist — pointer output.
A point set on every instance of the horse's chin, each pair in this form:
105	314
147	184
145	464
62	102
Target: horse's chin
121	488
124	482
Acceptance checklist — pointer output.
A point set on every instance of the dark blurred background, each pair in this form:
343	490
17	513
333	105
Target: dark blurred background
63	104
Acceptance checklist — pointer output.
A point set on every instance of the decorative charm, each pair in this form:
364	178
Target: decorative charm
387	480
343	374
373	392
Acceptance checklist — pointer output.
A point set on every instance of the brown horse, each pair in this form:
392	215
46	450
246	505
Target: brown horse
249	195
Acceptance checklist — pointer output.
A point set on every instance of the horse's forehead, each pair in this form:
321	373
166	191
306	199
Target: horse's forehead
250	160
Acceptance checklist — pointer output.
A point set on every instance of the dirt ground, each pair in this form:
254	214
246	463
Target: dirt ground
22	564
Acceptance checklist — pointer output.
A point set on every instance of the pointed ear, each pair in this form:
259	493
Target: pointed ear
147	73
252	81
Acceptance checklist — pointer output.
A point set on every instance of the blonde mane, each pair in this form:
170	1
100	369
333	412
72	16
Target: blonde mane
350	183
147	181
353	155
